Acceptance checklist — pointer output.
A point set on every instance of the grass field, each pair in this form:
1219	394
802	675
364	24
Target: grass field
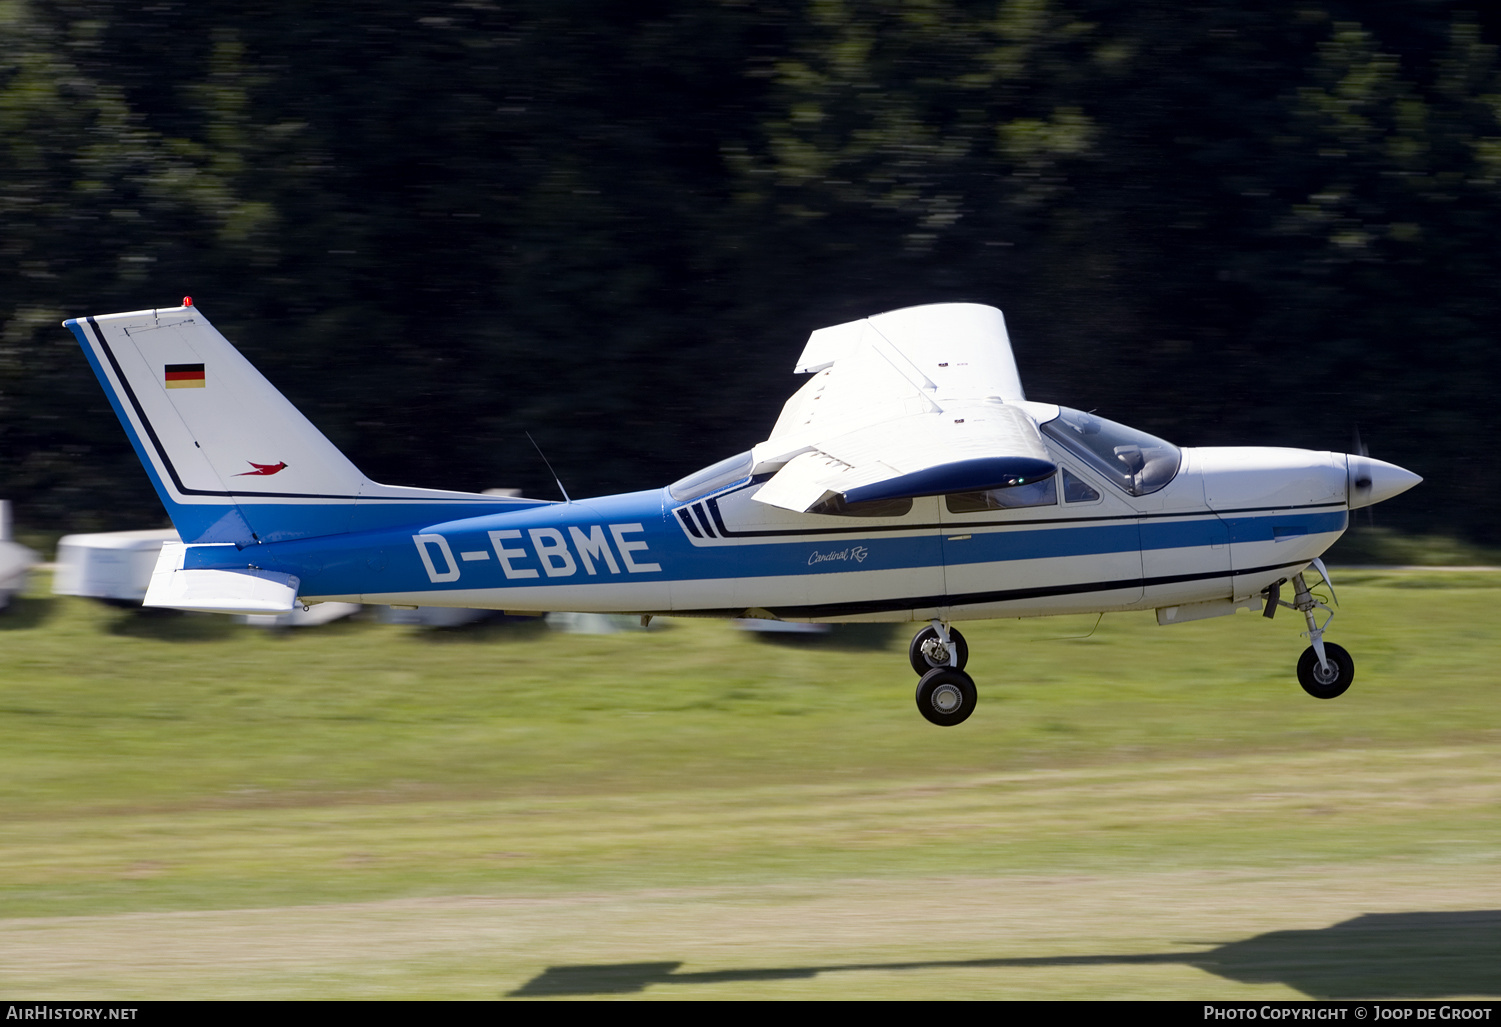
192	808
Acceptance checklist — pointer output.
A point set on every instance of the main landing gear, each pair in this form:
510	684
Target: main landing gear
1325	670
945	694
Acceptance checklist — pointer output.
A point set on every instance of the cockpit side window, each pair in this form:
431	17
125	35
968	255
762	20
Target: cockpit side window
711	478
1076	489
1138	463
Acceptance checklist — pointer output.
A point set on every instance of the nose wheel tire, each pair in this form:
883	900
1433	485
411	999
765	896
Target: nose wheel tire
1321	682
927	651
946	696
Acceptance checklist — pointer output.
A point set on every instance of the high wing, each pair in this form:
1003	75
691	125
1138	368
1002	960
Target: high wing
915	402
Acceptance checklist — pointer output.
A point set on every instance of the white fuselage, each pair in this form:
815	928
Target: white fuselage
1230	523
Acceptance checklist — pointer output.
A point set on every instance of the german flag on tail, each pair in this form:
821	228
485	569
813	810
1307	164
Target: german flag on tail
185	376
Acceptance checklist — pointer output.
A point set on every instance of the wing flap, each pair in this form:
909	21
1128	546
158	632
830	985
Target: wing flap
802	483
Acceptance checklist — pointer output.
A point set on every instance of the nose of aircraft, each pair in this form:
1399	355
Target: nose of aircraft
1371	481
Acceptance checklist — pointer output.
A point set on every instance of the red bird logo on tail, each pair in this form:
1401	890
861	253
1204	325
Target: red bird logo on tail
262	468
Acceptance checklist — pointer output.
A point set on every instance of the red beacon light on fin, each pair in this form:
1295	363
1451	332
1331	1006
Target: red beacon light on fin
187	301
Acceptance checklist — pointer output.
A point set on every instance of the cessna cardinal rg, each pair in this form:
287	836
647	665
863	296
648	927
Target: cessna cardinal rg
909	479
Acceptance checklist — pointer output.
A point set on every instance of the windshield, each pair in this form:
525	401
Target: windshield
711	478
1134	461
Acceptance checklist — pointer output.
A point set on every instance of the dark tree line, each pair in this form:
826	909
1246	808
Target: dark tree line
439	225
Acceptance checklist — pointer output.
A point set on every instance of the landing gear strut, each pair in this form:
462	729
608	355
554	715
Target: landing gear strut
1325	670
945	695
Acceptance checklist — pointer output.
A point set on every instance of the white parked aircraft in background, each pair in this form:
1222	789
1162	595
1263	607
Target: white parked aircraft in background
908	480
16	560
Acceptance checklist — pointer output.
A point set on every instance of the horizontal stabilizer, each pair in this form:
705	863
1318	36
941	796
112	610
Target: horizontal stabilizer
247	591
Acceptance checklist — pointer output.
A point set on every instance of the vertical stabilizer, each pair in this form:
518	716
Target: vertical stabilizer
232	459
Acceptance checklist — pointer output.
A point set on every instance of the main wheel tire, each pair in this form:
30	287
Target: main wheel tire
921	664
946	696
1321	683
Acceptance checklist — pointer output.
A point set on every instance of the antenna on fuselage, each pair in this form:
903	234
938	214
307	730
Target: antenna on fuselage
549	467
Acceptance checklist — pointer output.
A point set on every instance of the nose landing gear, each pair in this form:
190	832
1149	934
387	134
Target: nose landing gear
1325	670
946	695
1329	679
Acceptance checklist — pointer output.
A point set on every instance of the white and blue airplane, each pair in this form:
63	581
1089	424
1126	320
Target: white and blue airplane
909	479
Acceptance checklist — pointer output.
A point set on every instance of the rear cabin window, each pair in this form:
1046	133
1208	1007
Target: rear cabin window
837	507
712	478
1038	493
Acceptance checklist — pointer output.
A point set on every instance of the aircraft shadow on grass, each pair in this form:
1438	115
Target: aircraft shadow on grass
1376	956
847	637
170	626
25	613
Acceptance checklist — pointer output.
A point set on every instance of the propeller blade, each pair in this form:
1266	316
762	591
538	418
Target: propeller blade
1362	479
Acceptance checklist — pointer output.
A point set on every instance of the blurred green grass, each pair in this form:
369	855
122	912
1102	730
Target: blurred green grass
111	710
384	757
160	765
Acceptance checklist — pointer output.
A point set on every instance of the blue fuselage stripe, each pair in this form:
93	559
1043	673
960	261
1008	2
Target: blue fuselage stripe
388	561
